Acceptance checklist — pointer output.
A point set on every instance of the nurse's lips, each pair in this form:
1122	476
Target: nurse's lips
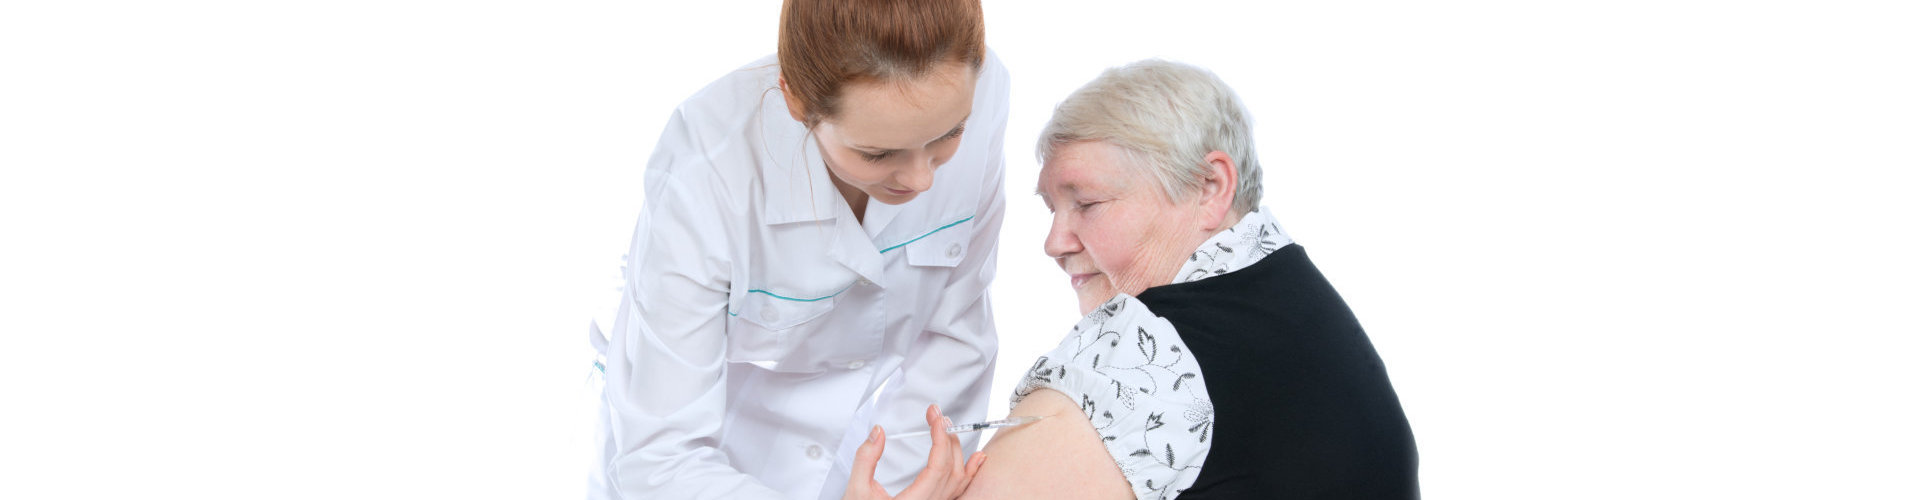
900	192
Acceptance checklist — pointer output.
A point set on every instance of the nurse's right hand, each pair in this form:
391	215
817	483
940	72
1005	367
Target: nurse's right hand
945	477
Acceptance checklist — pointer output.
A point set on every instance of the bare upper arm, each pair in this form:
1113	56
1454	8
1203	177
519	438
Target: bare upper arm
1059	457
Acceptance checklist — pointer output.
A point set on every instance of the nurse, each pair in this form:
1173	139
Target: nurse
812	261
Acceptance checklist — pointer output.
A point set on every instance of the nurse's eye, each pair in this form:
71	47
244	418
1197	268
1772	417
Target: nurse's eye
875	157
955	134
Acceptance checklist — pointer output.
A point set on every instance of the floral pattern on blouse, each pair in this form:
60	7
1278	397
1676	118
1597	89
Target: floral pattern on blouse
1134	378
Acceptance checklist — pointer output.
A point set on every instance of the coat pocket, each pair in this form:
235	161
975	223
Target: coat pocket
764	328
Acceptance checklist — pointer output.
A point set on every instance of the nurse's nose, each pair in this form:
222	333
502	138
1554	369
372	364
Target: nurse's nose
919	175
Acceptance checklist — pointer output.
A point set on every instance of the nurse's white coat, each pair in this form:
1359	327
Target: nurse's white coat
760	321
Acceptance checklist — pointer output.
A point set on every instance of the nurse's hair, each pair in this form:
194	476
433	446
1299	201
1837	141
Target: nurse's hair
825	44
1167	116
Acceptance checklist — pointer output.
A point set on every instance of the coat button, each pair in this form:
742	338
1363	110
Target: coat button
813	451
770	314
864	282
856	364
953	251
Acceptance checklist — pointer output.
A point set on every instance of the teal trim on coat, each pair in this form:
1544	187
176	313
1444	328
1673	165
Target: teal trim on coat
850	285
783	297
929	233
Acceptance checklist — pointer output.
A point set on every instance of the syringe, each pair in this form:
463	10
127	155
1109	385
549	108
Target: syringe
975	427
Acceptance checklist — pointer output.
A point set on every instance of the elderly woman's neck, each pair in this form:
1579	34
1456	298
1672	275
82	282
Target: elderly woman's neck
1168	252
1173	261
1232	219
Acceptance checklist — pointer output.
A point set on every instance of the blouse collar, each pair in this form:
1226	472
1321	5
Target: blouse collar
1253	238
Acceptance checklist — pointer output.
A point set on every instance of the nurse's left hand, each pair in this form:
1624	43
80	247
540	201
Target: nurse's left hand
945	477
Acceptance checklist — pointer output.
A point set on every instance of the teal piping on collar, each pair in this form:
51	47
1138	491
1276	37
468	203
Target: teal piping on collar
929	233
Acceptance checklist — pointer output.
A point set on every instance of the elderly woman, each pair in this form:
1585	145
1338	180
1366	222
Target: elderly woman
1214	361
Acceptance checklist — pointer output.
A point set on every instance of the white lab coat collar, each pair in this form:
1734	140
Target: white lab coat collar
879	214
853	248
798	187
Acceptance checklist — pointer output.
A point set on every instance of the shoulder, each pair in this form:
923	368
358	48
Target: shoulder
1279	273
991	93
1280	307
719	116
993	75
714	142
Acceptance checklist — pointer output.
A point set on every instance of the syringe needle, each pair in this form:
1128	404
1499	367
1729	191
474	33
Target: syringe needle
975	427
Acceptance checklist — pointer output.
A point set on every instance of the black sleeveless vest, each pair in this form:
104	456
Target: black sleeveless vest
1302	404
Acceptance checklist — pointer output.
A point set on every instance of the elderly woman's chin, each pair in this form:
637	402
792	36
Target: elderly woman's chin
1093	290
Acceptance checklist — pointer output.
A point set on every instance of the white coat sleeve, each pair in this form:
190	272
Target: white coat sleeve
666	370
951	364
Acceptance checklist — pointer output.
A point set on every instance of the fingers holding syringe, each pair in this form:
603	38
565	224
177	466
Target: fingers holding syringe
860	484
938	479
955	453
940	458
959	468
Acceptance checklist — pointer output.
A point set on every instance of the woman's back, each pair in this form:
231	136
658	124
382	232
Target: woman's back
1302	404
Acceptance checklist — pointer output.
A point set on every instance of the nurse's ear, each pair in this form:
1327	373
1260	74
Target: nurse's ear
794	106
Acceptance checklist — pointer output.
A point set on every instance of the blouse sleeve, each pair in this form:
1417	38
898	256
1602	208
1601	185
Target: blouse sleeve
1140	386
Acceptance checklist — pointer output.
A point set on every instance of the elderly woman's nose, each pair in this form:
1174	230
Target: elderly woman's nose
1060	239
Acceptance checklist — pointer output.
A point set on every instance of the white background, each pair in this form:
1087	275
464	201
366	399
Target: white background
349	249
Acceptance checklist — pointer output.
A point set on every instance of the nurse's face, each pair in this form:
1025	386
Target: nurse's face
890	136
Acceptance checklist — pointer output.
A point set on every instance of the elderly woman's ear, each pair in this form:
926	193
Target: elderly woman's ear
1216	191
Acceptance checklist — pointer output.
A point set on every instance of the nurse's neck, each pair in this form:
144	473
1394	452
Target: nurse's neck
856	199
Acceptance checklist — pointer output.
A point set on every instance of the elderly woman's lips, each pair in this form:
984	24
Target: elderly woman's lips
1079	279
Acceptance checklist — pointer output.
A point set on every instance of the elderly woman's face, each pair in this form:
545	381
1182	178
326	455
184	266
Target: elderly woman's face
1114	230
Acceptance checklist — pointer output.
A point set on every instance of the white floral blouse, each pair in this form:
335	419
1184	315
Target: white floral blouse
1133	376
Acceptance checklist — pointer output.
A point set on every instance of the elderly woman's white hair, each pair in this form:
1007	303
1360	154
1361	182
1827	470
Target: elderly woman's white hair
1167	116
